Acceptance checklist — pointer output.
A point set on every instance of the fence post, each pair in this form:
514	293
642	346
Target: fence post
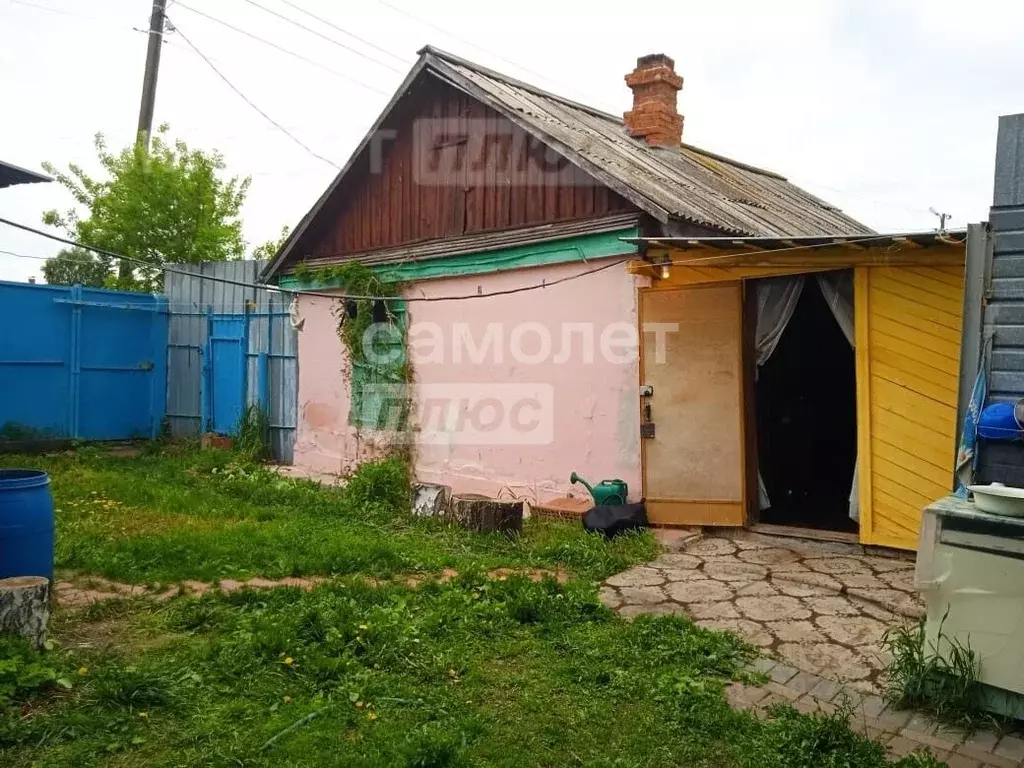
74	390
205	405
245	359
158	386
263	363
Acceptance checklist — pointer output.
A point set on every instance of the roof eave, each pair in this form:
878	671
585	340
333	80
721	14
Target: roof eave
20	175
924	239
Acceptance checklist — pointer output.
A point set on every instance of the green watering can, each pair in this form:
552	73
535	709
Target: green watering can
606	493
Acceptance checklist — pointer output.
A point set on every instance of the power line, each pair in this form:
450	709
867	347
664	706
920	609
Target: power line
248	101
320	294
274	45
25	255
321	35
462	297
465	41
354	36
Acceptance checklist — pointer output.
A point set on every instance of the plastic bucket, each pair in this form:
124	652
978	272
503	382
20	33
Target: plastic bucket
26	524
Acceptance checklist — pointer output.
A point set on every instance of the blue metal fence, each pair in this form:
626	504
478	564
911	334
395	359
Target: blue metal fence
81	362
231	345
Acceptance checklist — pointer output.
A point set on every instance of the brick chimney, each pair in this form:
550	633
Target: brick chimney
654	116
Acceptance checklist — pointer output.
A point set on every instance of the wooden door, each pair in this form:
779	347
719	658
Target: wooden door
694	464
908	326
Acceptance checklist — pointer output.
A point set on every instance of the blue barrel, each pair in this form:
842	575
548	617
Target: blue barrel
26	524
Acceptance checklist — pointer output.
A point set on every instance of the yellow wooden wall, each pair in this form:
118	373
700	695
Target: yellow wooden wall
908	322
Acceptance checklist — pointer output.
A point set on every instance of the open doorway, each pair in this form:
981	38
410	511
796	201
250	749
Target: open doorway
807	420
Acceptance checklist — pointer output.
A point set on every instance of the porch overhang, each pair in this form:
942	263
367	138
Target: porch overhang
806	253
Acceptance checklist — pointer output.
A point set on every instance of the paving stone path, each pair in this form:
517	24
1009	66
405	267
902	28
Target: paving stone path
818	616
900	731
823	612
79	591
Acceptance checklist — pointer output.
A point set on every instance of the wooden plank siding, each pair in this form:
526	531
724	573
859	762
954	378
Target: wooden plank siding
908	349
450	165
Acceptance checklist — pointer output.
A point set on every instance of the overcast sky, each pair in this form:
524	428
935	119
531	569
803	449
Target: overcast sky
884	108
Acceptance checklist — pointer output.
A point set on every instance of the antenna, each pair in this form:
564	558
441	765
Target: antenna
943	218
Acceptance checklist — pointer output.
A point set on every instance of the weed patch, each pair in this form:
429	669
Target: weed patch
24	672
180	513
939	677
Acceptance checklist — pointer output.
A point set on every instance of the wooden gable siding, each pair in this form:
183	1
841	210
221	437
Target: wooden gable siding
432	183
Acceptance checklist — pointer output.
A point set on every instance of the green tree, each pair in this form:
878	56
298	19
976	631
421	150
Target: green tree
77	265
163	205
268	250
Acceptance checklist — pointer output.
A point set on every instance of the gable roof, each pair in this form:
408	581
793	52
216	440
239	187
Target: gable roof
687	184
11	174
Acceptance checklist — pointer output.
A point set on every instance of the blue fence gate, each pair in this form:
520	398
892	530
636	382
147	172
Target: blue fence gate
230	345
81	362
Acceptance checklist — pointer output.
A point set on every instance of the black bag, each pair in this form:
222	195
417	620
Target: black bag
610	521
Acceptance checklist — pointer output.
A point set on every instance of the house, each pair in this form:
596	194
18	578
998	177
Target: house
12	174
583	292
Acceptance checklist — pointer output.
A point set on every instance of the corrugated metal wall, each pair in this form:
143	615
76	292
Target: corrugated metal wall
192	299
1004	310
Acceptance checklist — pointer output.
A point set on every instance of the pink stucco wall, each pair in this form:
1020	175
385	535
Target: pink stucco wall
593	413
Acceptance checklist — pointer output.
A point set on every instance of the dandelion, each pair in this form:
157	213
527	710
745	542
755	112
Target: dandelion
83	671
288	660
371	715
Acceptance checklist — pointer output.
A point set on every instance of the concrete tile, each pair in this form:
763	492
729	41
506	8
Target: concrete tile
927	738
985	757
807	705
994	761
981	741
956	760
879	735
803	682
900	746
764	665
1011	747
782	673
951	733
786	693
873	706
921	724
826	690
894	720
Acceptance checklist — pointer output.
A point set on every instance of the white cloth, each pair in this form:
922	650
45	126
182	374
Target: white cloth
776	301
777	298
837	287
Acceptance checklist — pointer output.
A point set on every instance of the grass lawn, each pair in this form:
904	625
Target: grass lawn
473	671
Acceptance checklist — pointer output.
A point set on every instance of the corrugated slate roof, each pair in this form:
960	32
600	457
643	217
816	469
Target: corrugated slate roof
481	242
687	184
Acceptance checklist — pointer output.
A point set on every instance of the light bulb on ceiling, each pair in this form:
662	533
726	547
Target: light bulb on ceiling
664	271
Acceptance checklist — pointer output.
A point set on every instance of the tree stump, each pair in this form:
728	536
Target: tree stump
480	513
25	607
429	500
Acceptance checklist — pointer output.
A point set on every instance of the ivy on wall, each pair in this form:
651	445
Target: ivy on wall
373	332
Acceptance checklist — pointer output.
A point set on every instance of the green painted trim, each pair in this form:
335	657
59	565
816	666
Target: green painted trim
580	248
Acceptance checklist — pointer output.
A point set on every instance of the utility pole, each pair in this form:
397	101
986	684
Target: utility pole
156	38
